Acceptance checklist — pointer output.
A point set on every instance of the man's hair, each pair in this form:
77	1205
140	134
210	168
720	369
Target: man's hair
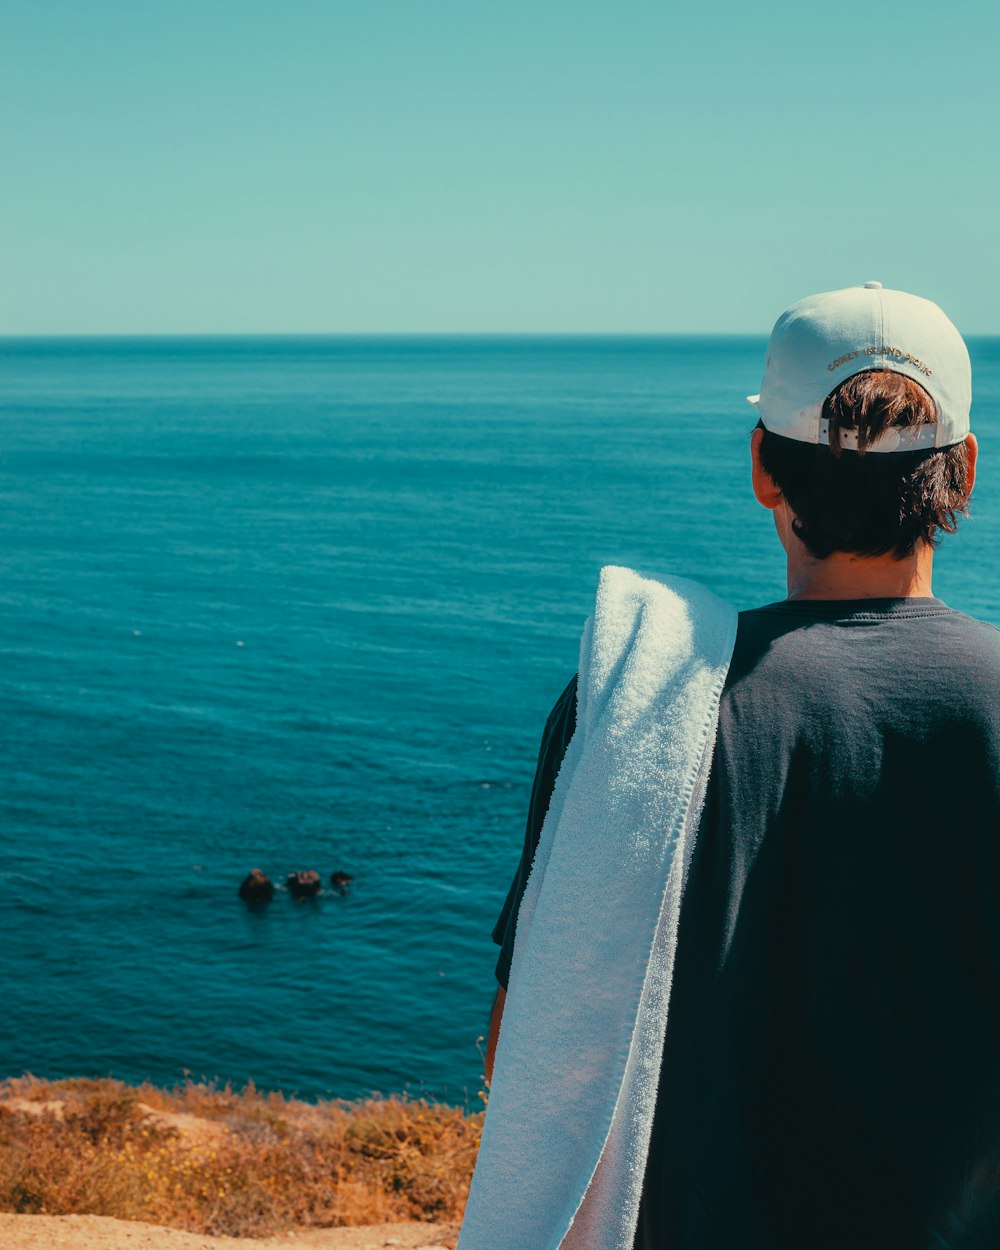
870	503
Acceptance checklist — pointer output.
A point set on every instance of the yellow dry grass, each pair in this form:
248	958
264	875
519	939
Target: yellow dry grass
218	1161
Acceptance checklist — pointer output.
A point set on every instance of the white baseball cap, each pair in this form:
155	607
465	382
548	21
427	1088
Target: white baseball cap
824	339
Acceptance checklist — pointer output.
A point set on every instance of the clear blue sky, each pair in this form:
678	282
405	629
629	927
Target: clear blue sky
461	165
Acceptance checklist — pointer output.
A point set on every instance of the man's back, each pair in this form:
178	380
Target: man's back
831	1067
831	1075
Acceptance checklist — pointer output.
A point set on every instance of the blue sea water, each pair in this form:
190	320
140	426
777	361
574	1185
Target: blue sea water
305	603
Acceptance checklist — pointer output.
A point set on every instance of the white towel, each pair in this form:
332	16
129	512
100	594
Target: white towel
574	1085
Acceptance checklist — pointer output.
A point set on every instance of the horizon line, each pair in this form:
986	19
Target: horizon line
372	334
6	336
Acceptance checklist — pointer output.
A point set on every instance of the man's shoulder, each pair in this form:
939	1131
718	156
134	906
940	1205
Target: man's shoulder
931	615
563	713
560	726
987	632
971	646
826	652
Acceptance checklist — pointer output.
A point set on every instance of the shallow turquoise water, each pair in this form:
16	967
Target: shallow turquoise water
305	603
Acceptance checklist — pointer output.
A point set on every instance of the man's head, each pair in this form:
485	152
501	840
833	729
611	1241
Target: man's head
863	442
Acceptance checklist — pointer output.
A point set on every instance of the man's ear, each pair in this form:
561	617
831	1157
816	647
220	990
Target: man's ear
971	455
765	488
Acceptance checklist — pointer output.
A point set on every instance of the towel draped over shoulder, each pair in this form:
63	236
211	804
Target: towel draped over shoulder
577	1067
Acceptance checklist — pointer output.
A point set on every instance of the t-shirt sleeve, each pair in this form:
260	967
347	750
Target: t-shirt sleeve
558	730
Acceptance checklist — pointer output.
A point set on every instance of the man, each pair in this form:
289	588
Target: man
831	1066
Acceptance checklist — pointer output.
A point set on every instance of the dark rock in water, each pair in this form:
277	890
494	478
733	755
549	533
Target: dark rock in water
257	888
341	881
303	884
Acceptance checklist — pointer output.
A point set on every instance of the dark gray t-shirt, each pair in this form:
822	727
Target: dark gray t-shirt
831	1073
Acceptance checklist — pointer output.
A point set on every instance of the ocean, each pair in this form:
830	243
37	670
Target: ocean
300	603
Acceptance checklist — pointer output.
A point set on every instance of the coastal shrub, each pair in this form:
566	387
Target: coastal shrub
217	1161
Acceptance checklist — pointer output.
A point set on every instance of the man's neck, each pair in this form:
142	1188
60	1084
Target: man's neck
847	576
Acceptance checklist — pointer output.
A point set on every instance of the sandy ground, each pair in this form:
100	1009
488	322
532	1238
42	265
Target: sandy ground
97	1232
